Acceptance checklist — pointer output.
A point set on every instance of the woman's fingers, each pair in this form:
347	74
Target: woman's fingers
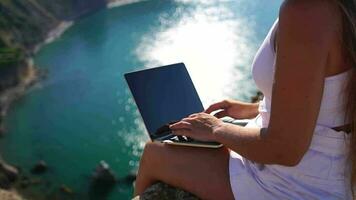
193	115
189	119
185	132
221	114
217	106
181	125
185	123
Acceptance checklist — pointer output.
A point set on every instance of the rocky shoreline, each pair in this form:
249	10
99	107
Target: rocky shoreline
18	78
10	195
30	75
8	96
116	3
54	34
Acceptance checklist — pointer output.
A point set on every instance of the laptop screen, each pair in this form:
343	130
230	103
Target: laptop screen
163	95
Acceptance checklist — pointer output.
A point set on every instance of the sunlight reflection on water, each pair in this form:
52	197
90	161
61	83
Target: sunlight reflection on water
212	42
83	112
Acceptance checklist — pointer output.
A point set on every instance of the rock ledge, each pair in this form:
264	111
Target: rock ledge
162	191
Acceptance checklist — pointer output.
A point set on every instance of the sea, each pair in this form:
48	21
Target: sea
83	113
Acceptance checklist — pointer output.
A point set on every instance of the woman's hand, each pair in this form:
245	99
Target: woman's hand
198	126
234	109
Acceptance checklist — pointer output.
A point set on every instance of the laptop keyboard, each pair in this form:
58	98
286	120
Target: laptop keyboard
181	139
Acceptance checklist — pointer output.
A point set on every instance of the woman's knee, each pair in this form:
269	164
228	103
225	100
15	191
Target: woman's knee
150	153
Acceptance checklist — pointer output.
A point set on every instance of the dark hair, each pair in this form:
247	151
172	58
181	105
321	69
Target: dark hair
348	8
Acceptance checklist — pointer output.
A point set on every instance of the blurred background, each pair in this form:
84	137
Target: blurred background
61	69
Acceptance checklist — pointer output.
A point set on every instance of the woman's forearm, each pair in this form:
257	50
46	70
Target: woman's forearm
253	111
254	144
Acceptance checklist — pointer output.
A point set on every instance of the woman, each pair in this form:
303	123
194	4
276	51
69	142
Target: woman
297	145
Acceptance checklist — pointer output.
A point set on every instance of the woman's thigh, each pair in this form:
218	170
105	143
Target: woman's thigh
201	171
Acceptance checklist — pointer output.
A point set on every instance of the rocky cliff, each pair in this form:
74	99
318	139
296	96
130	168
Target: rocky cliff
24	24
9	195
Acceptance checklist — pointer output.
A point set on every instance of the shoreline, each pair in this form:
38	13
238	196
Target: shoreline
13	93
53	34
118	3
31	75
10	195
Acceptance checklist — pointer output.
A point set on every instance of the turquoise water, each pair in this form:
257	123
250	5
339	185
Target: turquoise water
83	112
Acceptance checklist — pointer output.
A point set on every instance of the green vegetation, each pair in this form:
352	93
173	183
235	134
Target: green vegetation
25	23
10	56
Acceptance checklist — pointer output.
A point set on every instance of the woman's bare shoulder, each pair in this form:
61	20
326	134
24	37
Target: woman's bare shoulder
312	16
321	7
316	22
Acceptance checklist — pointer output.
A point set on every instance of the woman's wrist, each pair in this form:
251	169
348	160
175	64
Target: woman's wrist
252	110
218	130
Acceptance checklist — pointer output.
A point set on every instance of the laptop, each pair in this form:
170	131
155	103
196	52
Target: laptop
164	95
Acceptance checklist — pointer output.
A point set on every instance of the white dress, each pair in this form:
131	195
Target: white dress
324	171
